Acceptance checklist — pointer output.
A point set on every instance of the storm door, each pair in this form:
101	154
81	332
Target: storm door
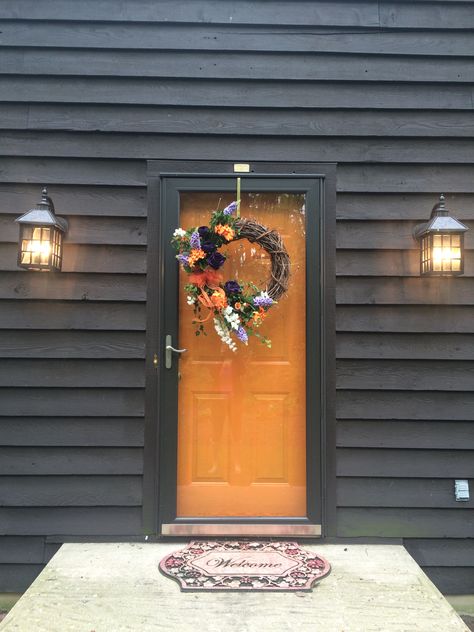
240	441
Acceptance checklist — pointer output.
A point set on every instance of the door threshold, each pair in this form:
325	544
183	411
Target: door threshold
213	529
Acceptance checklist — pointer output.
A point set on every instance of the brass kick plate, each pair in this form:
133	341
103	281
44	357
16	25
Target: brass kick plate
286	530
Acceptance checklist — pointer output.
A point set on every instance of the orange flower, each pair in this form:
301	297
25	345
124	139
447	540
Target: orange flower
259	317
195	255
219	299
238	305
225	231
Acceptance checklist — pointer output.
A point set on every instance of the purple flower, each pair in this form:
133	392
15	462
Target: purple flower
183	259
215	260
232	287
229	210
203	232
242	334
195	240
208	247
263	300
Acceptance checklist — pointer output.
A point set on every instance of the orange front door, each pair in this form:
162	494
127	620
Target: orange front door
242	415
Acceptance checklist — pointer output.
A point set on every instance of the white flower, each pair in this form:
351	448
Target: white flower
231	317
179	232
224	333
190	300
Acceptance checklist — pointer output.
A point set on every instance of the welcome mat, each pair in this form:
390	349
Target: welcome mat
244	565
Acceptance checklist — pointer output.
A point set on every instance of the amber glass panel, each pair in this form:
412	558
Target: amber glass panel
445	255
36	246
242	415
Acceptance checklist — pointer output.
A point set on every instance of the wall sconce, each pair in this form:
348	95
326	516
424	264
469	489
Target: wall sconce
41	237
441	243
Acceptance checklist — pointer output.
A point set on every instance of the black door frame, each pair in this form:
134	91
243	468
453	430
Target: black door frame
318	180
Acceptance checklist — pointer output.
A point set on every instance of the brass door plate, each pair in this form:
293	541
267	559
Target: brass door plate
241	167
210	529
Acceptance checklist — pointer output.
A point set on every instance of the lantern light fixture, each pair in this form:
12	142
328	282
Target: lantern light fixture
441	243
41	237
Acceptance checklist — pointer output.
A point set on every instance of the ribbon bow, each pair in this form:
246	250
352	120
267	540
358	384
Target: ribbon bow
210	279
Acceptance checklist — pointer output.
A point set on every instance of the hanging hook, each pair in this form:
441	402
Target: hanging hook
238	197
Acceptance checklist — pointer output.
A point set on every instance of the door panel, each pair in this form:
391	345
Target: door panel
242	416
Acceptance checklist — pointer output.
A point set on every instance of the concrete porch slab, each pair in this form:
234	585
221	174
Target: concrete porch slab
118	588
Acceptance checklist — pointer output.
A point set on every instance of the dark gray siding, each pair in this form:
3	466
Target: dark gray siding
88	92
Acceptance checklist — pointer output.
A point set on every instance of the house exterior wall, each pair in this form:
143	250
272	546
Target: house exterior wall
89	91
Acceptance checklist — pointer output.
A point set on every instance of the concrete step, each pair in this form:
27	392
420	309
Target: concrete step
118	588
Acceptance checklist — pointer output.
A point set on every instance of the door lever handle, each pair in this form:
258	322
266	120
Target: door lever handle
169	349
175	350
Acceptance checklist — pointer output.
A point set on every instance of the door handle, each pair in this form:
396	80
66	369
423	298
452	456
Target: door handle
169	350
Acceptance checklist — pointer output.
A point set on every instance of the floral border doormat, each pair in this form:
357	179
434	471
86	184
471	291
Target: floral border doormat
244	565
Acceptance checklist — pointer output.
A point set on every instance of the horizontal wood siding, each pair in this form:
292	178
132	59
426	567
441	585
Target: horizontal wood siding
88	92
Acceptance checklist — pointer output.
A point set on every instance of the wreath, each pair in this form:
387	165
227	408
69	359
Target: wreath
237	309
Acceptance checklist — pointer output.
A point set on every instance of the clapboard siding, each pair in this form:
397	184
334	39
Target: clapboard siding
78	172
405	522
238	122
413	434
88	521
371	404
16	550
71	431
239	65
29	461
147	146
398	206
72	373
70	491
89	230
389	235
71	344
73	286
224	37
425	15
405	463
372	178
209	11
16	578
238	93
110	259
420	346
98	201
406	178
404	375
299	12
442	553
88	92
407	318
453	580
36	314
455	291
383	263
23	550
92	402
397	492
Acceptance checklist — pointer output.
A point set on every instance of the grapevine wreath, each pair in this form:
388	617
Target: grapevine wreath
237	309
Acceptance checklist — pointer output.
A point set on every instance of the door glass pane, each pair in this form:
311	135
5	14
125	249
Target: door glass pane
242	415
